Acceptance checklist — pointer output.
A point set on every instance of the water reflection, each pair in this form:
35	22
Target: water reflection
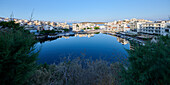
66	37
122	41
84	35
93	46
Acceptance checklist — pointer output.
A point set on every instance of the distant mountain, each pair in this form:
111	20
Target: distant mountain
93	22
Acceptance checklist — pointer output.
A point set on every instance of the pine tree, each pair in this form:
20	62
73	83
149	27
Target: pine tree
17	55
149	64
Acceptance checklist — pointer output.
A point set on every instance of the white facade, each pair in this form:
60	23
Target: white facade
81	26
155	28
47	27
135	26
104	27
167	29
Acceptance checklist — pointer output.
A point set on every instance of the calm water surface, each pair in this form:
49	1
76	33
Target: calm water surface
90	46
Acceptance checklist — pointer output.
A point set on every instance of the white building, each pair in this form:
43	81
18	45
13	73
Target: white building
167	29
82	26
103	27
155	28
47	27
135	26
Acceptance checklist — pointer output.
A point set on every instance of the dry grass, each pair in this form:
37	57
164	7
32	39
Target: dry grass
78	72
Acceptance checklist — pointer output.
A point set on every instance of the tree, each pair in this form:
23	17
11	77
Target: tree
89	28
77	25
96	28
149	64
11	25
17	55
66	30
47	32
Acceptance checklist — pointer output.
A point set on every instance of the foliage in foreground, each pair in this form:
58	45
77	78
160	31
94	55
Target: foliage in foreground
149	64
17	59
78	72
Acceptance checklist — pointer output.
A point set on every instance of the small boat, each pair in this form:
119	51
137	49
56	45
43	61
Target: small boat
131	39
61	34
67	34
52	36
72	33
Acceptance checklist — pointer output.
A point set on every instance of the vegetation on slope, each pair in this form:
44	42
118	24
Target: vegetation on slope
148	64
17	56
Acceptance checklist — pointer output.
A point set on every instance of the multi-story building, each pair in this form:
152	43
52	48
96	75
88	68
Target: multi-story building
167	29
135	26
118	28
77	26
47	27
1	19
123	28
81	26
155	28
62	25
168	21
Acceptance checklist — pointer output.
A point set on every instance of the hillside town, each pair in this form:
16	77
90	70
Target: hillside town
132	26
38	25
129	26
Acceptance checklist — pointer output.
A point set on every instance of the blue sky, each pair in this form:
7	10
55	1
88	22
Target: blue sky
86	10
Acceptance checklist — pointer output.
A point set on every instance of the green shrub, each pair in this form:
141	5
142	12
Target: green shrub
89	28
47	31
96	28
65	30
77	25
97	32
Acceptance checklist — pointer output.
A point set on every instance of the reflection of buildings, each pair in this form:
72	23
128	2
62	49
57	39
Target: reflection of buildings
131	46
79	35
84	35
66	37
122	41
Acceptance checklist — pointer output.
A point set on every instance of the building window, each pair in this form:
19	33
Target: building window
166	30
168	26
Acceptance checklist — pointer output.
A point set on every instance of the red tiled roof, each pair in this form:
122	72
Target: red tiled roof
114	27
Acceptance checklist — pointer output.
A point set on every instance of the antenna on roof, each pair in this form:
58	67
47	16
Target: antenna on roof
12	16
31	18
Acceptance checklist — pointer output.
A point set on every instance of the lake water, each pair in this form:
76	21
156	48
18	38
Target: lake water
88	46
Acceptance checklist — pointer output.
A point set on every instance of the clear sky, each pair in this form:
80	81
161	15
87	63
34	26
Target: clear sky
86	10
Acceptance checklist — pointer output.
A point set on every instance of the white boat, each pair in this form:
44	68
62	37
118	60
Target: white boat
67	34
61	34
70	33
52	36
